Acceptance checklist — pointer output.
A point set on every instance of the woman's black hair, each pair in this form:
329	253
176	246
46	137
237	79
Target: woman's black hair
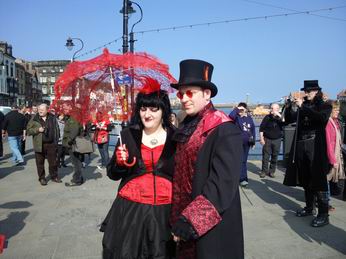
158	99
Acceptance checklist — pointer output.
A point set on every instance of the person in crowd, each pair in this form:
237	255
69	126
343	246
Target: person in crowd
174	120
45	131
137	224
246	124
270	137
308	163
334	151
34	110
23	110
15	127
72	130
101	137
206	214
2	118
61	149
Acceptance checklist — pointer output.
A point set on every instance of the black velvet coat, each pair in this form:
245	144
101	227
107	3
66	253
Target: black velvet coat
312	116
217	168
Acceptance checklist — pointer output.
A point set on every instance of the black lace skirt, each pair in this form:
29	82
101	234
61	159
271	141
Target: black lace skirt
137	231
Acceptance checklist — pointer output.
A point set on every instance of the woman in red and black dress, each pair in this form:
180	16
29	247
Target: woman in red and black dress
137	224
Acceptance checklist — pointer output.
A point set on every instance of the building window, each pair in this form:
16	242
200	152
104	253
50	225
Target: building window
44	89
44	71
52	90
11	69
43	79
61	70
53	71
52	79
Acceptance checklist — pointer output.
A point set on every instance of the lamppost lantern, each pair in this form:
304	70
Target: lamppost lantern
69	45
130	9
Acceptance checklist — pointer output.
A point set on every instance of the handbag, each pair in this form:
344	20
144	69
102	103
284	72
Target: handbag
83	145
101	137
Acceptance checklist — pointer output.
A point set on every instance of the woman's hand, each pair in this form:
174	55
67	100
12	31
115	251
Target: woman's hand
122	155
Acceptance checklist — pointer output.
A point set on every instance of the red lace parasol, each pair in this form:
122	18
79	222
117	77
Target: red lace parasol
103	83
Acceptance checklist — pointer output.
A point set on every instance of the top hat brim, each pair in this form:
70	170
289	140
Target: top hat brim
203	84
311	88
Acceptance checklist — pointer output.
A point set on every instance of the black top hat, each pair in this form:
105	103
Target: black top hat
195	72
310	85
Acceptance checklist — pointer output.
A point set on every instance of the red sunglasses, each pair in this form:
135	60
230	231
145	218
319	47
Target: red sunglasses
188	93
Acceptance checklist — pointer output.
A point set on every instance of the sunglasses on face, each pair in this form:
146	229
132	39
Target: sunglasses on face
188	93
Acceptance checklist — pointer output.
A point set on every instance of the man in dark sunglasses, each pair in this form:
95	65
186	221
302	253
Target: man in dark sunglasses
206	210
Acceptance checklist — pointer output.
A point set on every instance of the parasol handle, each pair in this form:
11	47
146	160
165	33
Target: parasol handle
130	164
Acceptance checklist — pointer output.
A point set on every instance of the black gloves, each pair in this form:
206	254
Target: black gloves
184	230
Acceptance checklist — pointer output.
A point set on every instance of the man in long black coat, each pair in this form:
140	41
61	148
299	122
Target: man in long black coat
206	213
308	164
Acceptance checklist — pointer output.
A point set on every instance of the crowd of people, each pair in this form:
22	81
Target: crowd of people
53	137
178	195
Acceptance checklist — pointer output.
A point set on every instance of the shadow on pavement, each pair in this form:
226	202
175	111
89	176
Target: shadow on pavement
13	224
5	171
16	205
329	235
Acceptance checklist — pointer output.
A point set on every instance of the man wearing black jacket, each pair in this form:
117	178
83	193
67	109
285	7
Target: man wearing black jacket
270	137
206	214
14	126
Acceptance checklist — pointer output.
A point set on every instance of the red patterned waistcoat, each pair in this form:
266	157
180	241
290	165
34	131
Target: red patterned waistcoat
183	203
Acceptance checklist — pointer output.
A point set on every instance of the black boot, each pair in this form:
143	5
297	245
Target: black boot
320	221
305	212
322	218
308	210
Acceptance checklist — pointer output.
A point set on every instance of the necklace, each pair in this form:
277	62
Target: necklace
153	141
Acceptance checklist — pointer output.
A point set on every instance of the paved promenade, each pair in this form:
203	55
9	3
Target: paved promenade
58	222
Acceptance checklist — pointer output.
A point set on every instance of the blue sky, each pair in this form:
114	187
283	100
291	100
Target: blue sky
265	58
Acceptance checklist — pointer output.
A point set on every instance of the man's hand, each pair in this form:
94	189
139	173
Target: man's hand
24	137
262	141
41	129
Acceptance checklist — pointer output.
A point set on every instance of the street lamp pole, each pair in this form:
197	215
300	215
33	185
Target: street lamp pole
132	49
125	12
69	45
132	40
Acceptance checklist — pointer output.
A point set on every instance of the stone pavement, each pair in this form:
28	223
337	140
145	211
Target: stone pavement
57	222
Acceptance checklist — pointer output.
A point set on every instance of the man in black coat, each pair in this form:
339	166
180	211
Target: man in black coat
308	164
206	214
270	137
14	127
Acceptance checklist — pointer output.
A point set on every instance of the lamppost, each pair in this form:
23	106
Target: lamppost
69	45
132	40
126	11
